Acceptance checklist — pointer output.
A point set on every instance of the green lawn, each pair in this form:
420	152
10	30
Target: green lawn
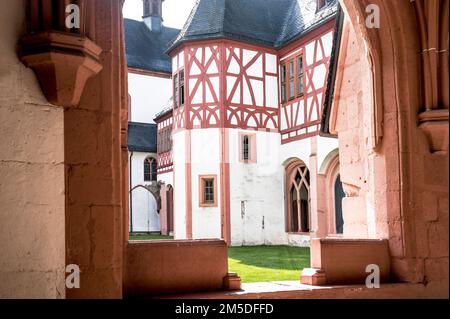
268	263
150	237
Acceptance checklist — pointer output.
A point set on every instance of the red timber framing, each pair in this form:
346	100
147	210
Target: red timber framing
300	115
214	91
164	149
242	112
226	86
206	67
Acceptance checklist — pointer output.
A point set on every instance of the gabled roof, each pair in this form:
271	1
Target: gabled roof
272	23
142	137
146	49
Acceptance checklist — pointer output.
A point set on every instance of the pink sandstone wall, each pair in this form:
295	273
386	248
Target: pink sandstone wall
95	158
32	249
399	190
157	268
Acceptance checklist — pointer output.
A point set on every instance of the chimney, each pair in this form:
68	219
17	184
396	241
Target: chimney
153	14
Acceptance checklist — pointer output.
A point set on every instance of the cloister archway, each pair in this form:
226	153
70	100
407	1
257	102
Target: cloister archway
396	116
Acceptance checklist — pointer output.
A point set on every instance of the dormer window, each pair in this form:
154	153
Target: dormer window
320	4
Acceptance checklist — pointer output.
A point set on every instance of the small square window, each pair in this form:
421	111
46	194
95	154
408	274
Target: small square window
208	191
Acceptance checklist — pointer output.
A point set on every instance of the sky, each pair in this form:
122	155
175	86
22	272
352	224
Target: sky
175	12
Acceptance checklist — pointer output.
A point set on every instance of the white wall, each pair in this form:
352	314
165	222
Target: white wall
166	178
206	221
179	184
144	206
256	193
149	95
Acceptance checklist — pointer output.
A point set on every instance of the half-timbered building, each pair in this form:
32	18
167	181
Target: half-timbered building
246	158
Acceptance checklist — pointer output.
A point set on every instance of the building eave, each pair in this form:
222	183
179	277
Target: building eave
329	93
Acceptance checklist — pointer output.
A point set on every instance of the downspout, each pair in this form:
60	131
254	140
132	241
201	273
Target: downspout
131	193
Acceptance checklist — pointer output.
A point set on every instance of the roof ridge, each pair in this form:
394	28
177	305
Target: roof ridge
267	22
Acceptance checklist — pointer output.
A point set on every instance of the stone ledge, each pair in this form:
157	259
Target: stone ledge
295	290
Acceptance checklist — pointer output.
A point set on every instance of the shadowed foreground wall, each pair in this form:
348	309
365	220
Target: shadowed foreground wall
32	248
157	268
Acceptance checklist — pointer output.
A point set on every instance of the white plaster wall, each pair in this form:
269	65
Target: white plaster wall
145	214
298	240
166	178
256	194
325	145
179	184
149	95
205	159
297	150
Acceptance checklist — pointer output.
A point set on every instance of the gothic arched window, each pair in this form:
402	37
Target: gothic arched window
298	198
150	169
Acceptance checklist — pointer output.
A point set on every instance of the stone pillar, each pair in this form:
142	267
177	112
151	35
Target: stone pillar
94	131
163	212
322	207
313	189
94	166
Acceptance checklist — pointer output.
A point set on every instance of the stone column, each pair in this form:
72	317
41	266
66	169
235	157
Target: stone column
94	133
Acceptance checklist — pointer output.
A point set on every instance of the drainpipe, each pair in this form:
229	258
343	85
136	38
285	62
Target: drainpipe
131	193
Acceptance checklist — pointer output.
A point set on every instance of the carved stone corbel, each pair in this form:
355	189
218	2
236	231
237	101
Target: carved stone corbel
434	124
63	59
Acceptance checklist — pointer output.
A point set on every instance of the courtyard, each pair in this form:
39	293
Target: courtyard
259	263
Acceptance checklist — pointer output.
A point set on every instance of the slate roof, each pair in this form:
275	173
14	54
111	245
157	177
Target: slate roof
146	49
142	137
272	23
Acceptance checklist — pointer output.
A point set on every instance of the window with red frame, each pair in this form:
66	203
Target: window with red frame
292	79
178	89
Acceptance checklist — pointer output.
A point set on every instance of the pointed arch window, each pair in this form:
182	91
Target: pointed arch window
150	169
298	198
